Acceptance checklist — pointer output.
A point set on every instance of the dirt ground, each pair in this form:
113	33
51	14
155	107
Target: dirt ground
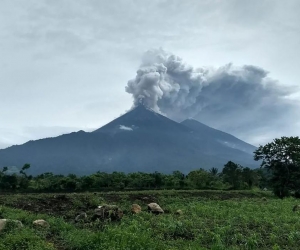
69	204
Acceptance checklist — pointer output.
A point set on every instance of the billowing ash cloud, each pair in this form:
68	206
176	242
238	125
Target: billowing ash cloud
165	84
231	98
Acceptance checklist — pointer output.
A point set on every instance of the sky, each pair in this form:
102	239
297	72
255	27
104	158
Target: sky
64	65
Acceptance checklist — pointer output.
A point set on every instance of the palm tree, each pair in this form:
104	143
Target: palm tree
214	171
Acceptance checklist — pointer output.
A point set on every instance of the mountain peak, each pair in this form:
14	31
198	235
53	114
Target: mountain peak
141	117
142	106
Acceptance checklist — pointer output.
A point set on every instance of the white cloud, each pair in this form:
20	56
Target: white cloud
125	128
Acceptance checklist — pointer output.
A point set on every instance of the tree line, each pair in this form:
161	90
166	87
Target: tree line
233	176
280	171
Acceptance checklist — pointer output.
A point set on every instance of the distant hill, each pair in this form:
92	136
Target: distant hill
140	140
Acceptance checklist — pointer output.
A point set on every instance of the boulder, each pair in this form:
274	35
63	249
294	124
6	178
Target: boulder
2	224
81	217
135	209
41	223
108	212
179	212
13	223
155	208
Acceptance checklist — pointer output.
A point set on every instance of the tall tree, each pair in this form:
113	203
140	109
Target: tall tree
214	171
282	158
232	173
251	177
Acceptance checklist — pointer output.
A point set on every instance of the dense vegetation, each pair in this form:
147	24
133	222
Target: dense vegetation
281	158
233	176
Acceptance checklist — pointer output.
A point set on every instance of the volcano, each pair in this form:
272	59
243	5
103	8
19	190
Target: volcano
140	140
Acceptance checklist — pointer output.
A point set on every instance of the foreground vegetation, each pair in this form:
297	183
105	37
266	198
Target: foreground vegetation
210	220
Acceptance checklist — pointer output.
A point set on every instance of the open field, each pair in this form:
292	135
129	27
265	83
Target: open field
210	220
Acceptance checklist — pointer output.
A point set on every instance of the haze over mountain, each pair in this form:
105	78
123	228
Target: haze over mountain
140	140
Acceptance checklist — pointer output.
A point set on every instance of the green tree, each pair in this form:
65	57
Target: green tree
23	169
158	179
232	173
282	158
87	182
214	171
199	178
24	179
250	177
179	179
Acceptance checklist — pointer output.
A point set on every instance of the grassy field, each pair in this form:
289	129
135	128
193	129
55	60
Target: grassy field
210	220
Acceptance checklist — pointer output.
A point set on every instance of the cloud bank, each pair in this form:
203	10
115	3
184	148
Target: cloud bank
235	99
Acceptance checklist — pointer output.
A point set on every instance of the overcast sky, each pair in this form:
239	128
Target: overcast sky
64	64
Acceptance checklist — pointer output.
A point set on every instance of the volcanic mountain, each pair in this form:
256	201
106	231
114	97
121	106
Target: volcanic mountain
140	140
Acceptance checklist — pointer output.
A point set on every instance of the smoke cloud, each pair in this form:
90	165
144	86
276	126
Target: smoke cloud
234	99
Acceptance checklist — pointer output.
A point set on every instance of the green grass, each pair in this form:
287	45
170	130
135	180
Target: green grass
220	220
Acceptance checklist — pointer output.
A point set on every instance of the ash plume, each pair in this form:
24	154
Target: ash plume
229	97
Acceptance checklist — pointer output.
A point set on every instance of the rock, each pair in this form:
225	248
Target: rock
179	212
13	223
108	212
41	223
81	217
2	224
296	208
135	209
155	208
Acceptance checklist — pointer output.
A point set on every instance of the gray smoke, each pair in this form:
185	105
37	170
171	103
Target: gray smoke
165	84
231	98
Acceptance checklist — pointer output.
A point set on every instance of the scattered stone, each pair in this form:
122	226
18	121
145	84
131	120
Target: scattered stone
296	208
179	212
108	212
81	217
155	208
135	209
14	223
41	223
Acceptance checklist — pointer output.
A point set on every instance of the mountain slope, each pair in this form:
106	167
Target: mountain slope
219	136
140	140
